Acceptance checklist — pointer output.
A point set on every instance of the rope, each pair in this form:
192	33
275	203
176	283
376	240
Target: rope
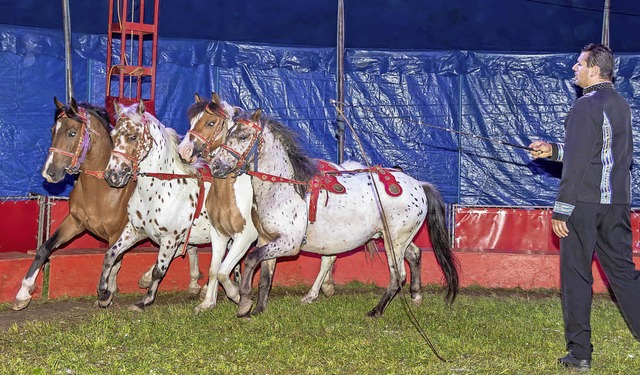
403	297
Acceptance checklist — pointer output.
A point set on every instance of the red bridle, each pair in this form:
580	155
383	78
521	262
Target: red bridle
208	143
141	152
252	150
77	158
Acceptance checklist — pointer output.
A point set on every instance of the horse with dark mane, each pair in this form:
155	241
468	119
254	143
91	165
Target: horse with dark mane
80	144
357	204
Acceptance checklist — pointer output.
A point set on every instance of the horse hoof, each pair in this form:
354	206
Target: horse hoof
416	301
307	300
204	307
374	314
18	305
235	299
194	290
144	283
244	307
137	307
103	304
328	290
105	297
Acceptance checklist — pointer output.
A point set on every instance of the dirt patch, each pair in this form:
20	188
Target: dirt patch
63	310
70	310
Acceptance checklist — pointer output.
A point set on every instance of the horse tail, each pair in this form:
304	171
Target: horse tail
439	234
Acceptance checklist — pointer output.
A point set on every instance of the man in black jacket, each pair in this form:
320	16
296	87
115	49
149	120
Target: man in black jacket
592	210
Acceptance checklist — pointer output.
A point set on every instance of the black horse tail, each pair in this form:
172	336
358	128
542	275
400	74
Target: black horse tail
436	224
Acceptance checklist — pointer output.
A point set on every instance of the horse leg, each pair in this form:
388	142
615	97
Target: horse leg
328	286
69	228
397	274
218	248
165	256
237	250
194	270
267	269
326	264
127	239
413	255
282	246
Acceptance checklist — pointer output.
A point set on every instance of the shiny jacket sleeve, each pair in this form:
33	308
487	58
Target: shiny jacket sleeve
576	154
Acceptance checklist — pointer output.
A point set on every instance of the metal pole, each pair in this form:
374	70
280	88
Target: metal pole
340	81
605	23
66	21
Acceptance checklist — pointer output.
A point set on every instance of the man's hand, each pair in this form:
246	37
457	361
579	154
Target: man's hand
541	149
560	228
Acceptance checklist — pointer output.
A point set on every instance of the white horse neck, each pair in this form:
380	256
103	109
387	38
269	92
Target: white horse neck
272	157
163	155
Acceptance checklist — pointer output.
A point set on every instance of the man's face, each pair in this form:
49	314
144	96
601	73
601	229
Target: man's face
584	75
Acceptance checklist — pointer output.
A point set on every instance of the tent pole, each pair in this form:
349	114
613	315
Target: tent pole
605	23
66	20
340	81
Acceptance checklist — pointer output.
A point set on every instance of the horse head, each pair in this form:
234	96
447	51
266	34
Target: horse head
131	143
240	146
209	121
69	141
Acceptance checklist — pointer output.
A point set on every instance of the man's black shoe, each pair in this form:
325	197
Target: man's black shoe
569	361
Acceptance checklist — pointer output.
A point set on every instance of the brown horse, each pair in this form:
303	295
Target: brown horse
81	144
229	202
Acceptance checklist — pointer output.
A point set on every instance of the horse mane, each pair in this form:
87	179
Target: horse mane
304	167
199	107
173	141
100	112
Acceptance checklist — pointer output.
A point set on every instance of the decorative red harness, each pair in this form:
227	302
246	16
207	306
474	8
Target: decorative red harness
78	157
327	180
203	174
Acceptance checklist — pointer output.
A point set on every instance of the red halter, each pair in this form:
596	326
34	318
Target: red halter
141	151
253	148
77	158
209	142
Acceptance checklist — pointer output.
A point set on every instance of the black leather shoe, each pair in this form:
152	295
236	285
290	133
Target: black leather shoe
569	361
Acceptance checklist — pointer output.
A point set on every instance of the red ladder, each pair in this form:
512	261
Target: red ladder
132	69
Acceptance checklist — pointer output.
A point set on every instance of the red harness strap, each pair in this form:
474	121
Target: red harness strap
324	180
97	174
203	174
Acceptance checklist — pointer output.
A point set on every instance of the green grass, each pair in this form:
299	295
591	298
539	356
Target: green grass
482	333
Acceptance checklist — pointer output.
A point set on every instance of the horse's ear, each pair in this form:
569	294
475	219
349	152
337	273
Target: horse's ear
141	107
256	115
198	99
74	105
215	98
117	108
237	111
58	104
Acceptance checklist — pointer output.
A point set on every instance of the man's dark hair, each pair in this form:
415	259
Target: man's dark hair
602	57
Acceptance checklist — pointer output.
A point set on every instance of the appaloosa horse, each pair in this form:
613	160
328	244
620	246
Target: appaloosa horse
230	199
80	144
287	184
167	204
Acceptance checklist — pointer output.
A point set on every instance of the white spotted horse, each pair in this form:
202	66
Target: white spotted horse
230	200
80	144
167	204
283	179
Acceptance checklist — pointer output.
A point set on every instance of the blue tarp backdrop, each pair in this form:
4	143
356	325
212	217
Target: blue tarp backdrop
398	101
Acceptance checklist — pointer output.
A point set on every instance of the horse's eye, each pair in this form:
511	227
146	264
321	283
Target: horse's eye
133	138
211	123
72	134
243	137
